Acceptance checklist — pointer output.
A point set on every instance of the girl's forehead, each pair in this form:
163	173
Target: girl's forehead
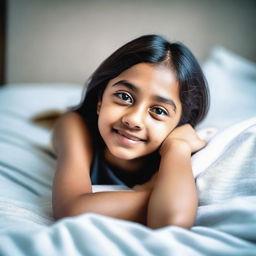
146	75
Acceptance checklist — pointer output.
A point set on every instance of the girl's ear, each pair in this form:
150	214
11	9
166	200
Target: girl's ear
98	106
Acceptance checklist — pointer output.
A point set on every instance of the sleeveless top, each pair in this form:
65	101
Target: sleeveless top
102	173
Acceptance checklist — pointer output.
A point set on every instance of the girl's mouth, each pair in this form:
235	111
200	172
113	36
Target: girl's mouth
127	137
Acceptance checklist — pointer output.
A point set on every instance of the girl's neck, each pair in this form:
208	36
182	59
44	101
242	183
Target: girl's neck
136	171
130	166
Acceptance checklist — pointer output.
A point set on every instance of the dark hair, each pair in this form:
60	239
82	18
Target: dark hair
154	49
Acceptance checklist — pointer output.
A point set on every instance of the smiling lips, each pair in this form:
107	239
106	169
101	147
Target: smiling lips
129	136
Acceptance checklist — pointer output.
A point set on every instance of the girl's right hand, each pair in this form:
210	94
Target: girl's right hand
185	134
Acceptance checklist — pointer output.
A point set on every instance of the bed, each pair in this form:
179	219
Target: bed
225	174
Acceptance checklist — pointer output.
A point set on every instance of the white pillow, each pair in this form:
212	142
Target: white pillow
217	145
232	84
28	100
225	169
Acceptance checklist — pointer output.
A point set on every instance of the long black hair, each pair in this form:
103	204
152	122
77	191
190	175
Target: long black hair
194	94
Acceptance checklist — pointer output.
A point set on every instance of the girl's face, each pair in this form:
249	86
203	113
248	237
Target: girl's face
138	110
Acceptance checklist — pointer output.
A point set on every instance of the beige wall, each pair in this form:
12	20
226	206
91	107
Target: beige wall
64	41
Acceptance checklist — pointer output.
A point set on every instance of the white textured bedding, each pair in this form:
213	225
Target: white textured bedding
224	227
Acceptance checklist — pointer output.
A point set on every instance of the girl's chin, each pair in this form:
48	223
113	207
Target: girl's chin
123	155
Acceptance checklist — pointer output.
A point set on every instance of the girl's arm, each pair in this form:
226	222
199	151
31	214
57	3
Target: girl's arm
174	197
72	189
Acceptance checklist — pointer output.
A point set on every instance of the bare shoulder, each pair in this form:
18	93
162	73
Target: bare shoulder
71	132
72	142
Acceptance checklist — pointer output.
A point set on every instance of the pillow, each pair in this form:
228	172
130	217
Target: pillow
225	169
232	85
30	100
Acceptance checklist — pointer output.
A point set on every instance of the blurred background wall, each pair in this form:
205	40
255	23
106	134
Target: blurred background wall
64	41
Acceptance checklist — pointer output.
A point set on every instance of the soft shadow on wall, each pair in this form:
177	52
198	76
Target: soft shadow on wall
64	41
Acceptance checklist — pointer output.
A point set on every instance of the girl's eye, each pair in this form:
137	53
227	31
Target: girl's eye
159	111
124	97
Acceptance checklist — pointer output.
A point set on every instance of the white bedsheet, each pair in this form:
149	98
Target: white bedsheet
27	226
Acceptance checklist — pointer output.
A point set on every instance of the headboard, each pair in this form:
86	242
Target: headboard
2	40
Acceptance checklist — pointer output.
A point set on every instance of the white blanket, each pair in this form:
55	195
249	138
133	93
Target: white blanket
226	227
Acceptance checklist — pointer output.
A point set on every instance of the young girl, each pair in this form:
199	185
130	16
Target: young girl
134	127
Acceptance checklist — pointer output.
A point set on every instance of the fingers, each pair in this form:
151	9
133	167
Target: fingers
198	144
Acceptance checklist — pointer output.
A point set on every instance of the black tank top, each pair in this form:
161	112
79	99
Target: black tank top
103	173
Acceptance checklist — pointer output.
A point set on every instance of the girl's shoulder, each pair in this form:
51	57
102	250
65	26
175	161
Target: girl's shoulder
70	117
71	132
71	120
72	142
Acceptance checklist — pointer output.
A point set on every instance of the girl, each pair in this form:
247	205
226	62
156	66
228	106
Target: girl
134	127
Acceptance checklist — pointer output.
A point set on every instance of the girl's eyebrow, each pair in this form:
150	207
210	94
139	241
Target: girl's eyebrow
127	84
156	97
167	101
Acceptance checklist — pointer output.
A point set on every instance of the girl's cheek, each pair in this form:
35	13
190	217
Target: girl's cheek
158	137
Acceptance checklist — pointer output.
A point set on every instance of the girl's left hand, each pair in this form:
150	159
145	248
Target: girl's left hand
185	134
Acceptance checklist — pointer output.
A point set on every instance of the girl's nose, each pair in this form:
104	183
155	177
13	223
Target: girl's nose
133	119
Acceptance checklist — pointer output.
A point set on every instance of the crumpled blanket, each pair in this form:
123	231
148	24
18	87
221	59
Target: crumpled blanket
225	222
